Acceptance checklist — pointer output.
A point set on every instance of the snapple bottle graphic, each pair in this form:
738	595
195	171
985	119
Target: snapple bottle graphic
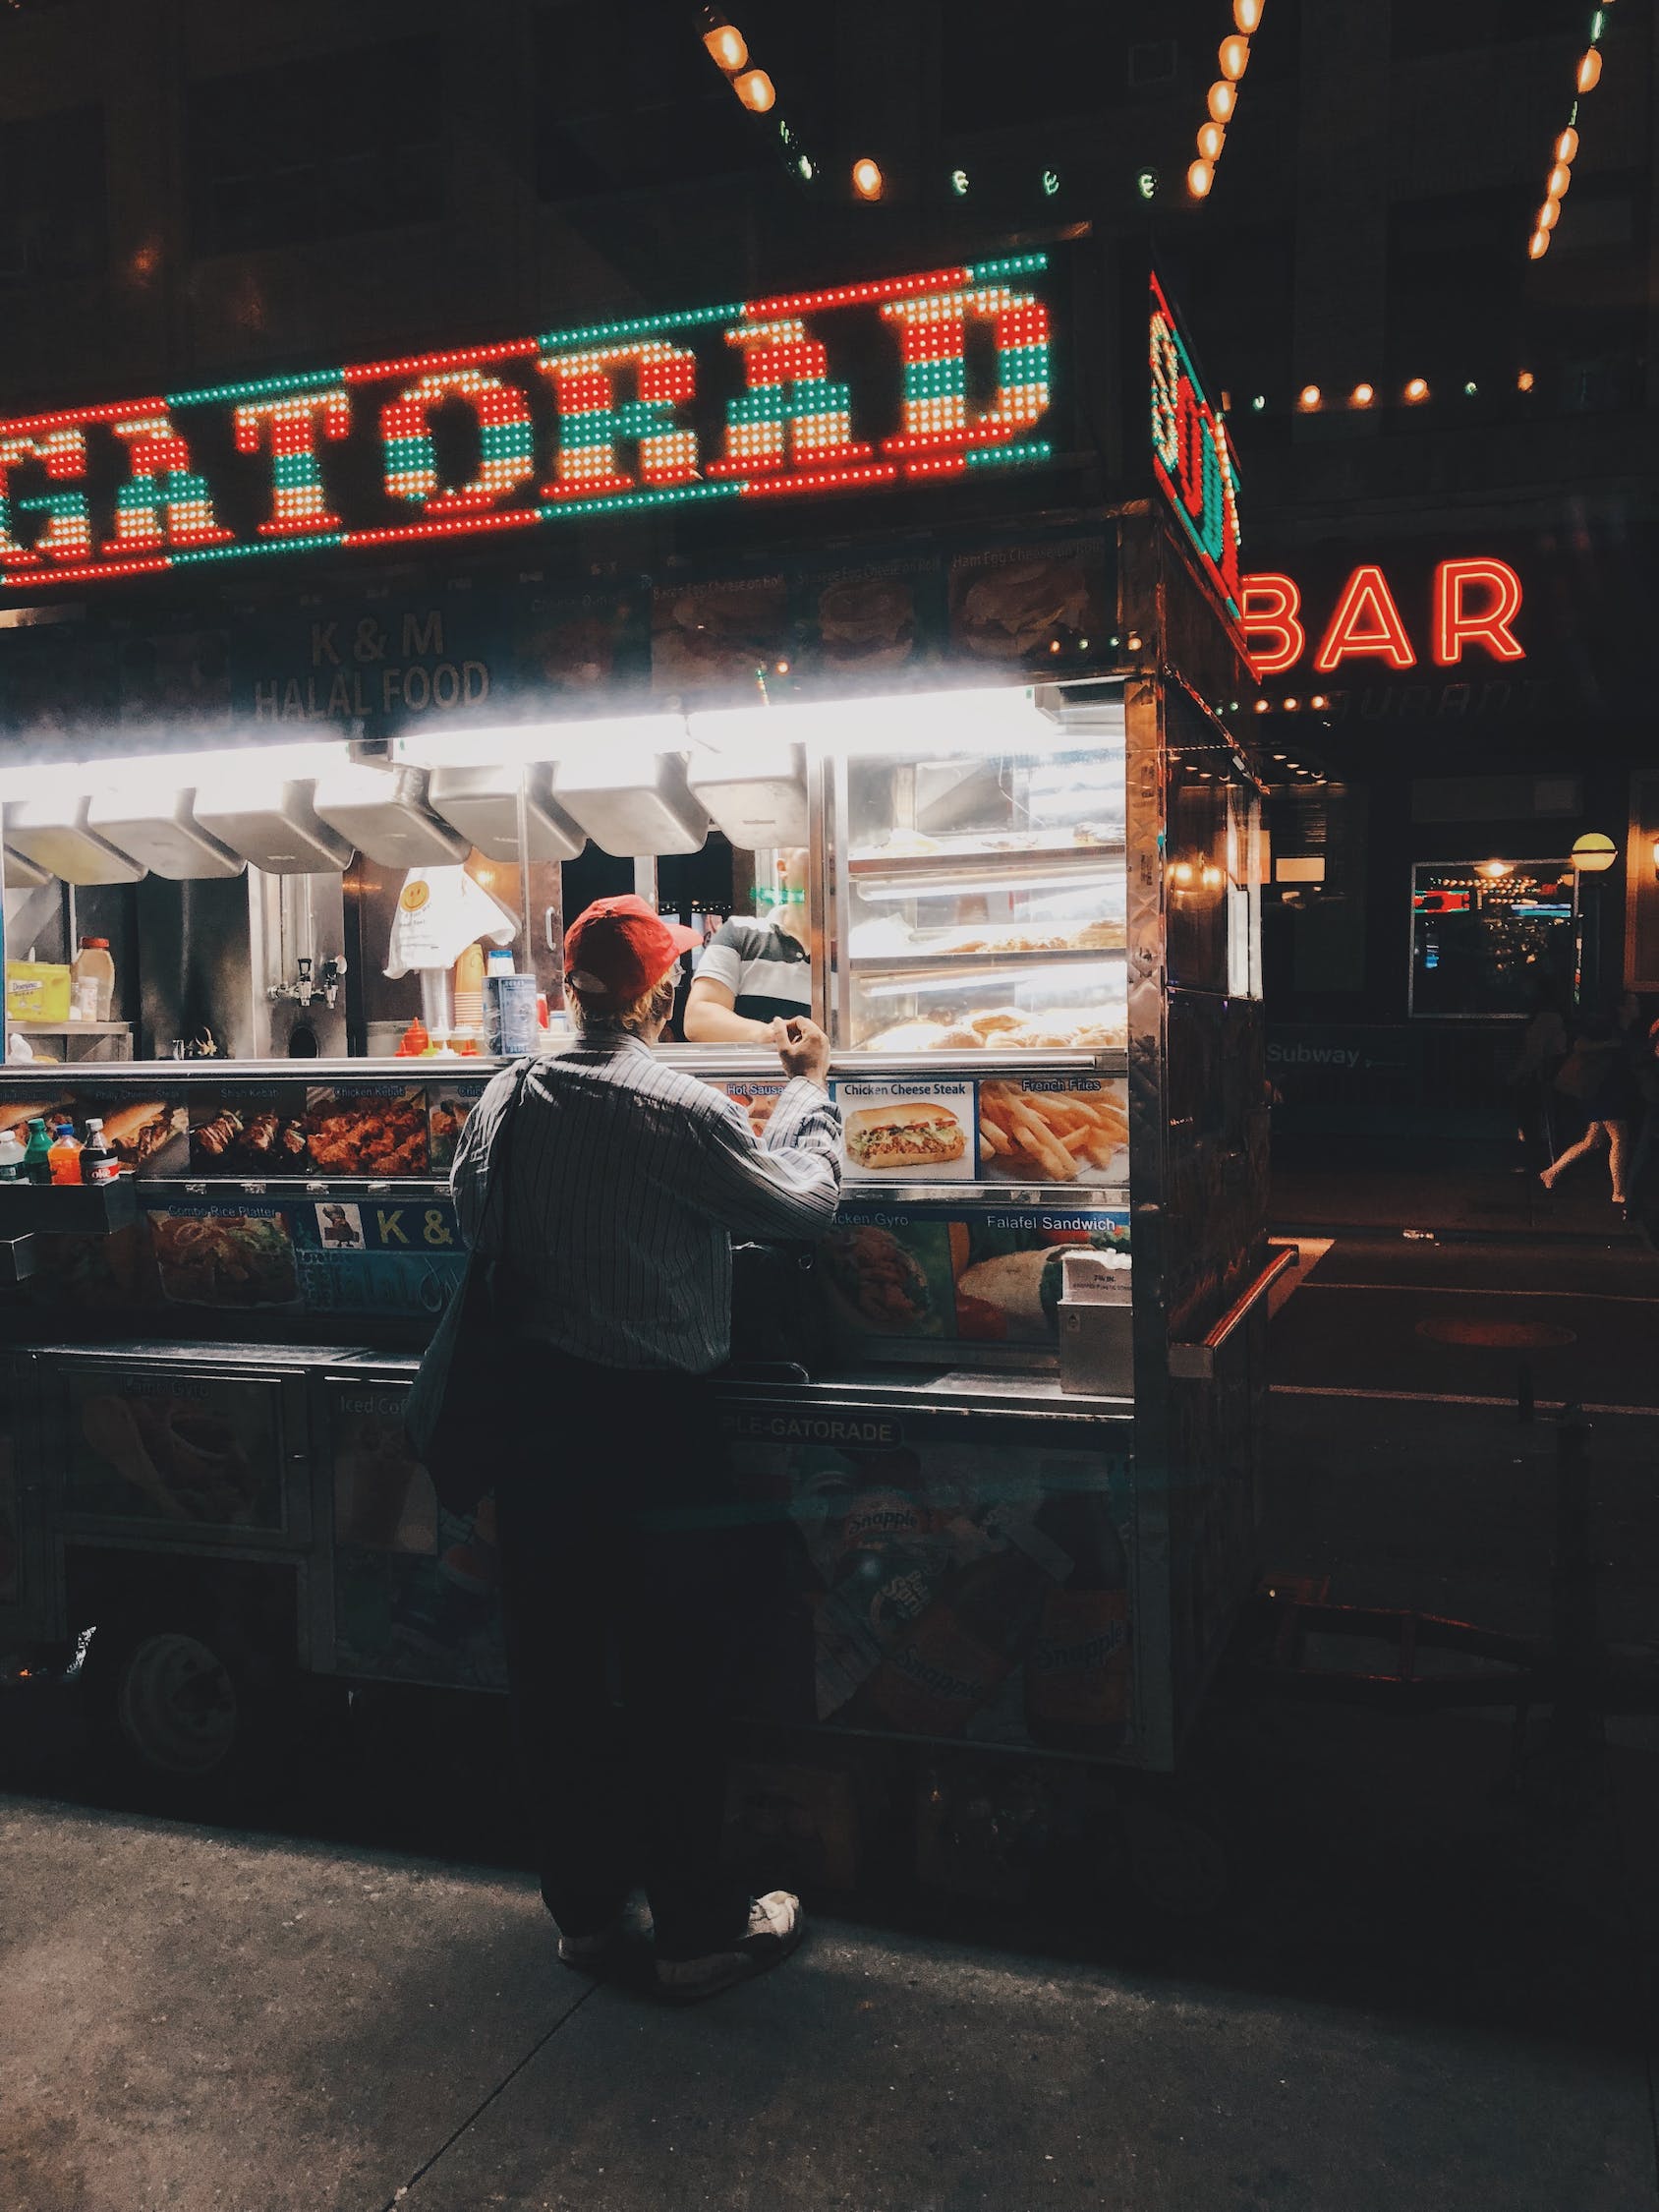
954	1659
1077	1670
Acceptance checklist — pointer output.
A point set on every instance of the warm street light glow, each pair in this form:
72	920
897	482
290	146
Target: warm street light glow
1589	69
1223	98
867	179
1247	14
1556	184
1363	394
1307	399
1549	214
1593	853
1417	389
1567	145
1234	57
1211	139
1526	381
1538	244
727	48
1200	176
756	89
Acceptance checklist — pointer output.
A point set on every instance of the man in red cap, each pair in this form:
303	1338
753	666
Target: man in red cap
626	1179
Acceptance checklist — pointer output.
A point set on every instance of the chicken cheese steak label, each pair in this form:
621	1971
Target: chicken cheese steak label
921	1132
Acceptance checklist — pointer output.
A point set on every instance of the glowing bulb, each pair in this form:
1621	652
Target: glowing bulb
1538	244
1494	870
727	48
1416	389
1181	871
1363	394
1526	381
1548	215
959	182
1567	145
1200	176
1589	69
1258	403
1232	57
1223	98
1247	14
1318	701
1308	398
1470	390
867	179
1050	183
756	89
1290	704
1211	139
1264	707
804	169
1558	180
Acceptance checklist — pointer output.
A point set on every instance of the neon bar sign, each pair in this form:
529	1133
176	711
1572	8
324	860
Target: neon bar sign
535	431
1471	603
1191	455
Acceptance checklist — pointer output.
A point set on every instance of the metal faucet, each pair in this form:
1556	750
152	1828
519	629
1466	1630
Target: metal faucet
304	990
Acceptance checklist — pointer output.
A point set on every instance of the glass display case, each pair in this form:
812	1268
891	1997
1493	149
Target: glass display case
980	891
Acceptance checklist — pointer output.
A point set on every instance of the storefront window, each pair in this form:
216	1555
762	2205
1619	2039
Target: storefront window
1489	936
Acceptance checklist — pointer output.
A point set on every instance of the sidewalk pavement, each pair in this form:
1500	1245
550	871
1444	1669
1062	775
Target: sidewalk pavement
202	2021
1482	1195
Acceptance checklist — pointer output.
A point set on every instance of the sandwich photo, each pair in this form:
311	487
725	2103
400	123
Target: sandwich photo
905	1132
1017	609
715	632
135	1134
867	621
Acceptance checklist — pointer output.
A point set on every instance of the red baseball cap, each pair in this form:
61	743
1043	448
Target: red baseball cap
618	950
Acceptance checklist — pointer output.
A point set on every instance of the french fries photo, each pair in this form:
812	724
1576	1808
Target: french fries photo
1050	1136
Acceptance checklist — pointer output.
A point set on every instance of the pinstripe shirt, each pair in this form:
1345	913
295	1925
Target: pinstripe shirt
628	1181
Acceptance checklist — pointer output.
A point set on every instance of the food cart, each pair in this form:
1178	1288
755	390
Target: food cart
979	665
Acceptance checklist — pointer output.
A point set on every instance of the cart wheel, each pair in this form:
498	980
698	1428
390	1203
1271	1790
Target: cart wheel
1179	1867
178	1706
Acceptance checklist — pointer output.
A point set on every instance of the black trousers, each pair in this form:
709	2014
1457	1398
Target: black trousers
622	1569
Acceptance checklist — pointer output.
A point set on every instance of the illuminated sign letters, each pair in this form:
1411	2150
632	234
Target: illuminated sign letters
758	398
1191	455
1472	603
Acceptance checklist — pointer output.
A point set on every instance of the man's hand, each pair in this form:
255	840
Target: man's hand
805	1049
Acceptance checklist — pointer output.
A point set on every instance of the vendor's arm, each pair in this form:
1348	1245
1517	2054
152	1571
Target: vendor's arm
712	1016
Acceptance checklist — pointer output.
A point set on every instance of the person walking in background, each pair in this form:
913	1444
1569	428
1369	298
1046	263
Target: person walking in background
1543	1049
1598	1073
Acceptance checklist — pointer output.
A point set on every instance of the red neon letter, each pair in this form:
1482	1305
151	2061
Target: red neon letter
1456	624
1366	623
298	506
163	501
1269	605
68	535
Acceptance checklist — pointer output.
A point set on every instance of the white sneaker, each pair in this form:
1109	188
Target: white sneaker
777	1925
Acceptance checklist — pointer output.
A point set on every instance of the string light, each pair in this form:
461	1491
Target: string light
756	89
1307	399
1363	394
867	179
1232	58
1564	151
1417	390
727	48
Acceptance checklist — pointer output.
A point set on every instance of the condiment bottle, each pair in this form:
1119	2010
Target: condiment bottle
10	1156
98	1163
38	1154
64	1157
92	963
414	1040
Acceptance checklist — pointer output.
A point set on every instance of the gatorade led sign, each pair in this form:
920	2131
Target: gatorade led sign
754	399
1191	455
1472	606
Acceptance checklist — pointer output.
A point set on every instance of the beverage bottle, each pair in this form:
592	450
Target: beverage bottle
98	1163
64	1156
10	1156
1077	1670
952	1661
92	961
37	1153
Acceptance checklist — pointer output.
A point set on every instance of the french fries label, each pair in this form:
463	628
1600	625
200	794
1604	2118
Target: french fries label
1054	1129
915	1131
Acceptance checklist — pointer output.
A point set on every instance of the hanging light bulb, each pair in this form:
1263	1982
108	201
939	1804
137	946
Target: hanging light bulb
1223	100
1200	176
727	48
1307	399
1363	394
1232	57
756	89
1417	390
1247	14
1538	244
1549	214
1567	145
1589	69
1558	180
867	178
1526	381
1211	139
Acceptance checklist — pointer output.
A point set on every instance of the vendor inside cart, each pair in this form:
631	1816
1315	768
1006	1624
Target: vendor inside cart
756	975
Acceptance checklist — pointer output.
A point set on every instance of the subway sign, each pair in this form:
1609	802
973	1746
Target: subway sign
910	380
1471	606
1191	459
